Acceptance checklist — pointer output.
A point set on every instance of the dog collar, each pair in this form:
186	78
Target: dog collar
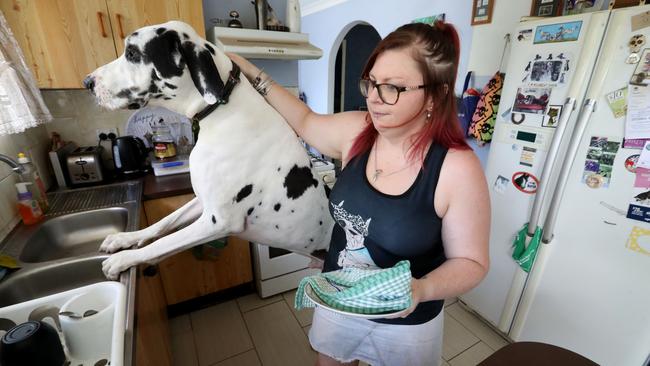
233	79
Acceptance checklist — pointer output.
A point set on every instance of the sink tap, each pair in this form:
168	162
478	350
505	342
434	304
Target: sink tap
12	163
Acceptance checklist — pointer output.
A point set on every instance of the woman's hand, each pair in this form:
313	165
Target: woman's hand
416	296
247	68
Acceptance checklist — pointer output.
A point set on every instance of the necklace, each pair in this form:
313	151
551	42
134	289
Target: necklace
380	172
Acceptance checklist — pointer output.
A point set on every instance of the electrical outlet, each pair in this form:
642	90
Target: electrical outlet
106	131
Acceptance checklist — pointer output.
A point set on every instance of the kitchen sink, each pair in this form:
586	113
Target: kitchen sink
30	283
73	234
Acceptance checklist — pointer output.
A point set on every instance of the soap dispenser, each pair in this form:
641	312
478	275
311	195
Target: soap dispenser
28	207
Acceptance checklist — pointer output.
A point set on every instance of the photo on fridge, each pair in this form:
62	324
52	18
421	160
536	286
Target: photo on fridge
531	100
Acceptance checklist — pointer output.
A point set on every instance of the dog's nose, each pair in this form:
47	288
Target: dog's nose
89	83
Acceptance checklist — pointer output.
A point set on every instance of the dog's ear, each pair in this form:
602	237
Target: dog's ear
164	52
203	70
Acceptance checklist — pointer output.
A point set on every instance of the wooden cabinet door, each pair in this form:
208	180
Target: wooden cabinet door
62	40
129	15
183	276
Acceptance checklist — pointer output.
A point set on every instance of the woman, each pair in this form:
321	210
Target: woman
410	189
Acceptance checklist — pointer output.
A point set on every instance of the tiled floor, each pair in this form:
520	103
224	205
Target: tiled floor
250	331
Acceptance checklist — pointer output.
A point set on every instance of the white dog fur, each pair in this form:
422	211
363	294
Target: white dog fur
251	175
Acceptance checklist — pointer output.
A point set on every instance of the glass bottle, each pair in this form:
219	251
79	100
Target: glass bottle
163	143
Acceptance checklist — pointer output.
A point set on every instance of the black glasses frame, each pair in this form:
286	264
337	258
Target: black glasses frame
365	84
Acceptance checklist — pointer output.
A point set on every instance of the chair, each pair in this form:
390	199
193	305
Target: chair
535	354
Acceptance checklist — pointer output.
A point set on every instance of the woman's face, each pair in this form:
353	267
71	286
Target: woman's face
396	67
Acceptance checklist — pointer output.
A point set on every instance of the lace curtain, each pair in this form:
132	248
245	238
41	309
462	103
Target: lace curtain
21	103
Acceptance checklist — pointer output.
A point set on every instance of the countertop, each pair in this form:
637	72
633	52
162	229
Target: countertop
165	186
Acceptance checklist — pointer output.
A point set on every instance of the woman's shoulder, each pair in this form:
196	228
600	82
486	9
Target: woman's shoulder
461	172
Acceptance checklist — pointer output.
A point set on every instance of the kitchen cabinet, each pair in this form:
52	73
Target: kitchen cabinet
152	344
185	277
64	40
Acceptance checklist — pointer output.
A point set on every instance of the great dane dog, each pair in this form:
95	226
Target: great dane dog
251	175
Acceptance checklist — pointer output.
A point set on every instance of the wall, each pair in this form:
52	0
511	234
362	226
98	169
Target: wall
326	28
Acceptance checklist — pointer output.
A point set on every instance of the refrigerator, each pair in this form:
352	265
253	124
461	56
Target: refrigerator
558	162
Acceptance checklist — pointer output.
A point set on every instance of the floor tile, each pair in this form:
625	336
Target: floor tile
476	326
278	337
254	301
456	338
248	358
443	362
304	316
472	356
184	349
306	330
219	333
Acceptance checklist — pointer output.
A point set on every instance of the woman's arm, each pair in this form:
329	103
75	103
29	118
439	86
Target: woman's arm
331	134
465	212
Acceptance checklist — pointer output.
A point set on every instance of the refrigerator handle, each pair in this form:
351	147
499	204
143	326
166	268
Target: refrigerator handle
567	111
551	218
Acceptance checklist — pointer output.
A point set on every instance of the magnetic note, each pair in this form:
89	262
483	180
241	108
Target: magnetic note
561	32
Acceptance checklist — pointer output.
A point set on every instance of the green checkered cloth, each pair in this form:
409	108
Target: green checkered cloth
361	291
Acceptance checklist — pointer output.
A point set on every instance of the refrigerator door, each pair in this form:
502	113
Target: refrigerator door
544	70
589	290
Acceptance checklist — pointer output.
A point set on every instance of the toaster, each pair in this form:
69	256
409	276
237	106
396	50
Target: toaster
85	165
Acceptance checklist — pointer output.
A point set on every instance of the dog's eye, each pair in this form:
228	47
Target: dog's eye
132	54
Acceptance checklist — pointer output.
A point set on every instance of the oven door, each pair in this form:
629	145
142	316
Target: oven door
273	262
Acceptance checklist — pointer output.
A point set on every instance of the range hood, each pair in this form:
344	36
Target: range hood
253	43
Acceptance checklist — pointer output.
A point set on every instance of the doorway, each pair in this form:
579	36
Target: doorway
355	48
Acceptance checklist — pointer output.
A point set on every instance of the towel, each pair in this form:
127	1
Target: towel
21	103
361	291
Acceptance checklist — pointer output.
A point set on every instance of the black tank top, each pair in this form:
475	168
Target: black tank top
374	229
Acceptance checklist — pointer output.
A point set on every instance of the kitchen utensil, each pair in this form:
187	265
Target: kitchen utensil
85	165
30	344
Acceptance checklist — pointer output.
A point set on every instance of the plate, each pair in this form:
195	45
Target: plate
141	123
311	294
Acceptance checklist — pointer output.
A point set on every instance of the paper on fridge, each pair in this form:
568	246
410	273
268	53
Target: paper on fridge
637	123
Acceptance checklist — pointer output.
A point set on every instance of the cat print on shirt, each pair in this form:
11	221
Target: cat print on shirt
356	228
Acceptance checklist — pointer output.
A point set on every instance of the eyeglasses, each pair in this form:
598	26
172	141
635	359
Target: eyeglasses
388	93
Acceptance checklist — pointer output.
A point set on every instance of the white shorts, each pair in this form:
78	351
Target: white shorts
347	338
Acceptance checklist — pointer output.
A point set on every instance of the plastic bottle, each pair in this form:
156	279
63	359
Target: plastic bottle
30	175
28	207
293	15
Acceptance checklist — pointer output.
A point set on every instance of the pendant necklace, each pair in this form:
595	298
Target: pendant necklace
380	172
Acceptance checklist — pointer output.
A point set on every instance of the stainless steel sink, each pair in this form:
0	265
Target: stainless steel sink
73	234
45	280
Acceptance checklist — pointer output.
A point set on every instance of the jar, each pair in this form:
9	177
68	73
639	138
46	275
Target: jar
163	143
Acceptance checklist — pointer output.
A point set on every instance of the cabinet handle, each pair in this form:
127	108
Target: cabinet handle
100	19
119	24
150	271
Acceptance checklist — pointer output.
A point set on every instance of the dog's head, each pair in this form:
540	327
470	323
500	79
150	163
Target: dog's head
166	64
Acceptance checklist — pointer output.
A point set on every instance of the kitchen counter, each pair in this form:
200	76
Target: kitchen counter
166	186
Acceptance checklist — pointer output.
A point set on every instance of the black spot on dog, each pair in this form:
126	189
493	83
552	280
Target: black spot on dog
320	223
278	168
167	98
161	52
143	93
124	93
277	207
132	54
257	217
170	86
158	96
203	70
260	204
292	211
311	240
185	36
298	180
277	227
153	88
133	106
210	49
214	219
243	193
250	211
134	33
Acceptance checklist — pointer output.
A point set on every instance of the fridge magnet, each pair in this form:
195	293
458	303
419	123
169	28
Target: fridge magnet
617	101
634	44
642	178
525	182
637	118
546	8
644	157
600	158
525	35
482	11
552	116
639	240
630	163
527	156
500	184
634	143
561	32
640	21
531	100
639	208
517	118
641	74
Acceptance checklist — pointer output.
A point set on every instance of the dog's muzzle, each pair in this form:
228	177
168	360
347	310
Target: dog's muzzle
89	83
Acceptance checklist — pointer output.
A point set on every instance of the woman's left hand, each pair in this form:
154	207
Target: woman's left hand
416	296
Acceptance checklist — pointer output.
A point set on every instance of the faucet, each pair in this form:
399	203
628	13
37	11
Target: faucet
12	163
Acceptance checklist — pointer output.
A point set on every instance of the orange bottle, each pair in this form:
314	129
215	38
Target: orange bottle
28	207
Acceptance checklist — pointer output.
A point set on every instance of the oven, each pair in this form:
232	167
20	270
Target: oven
278	270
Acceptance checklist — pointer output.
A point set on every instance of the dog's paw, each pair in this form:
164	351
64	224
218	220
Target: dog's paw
114	242
119	262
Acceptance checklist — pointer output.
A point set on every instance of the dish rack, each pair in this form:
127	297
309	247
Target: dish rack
20	313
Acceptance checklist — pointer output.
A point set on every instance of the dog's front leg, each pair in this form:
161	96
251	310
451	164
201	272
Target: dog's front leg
201	231
183	216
